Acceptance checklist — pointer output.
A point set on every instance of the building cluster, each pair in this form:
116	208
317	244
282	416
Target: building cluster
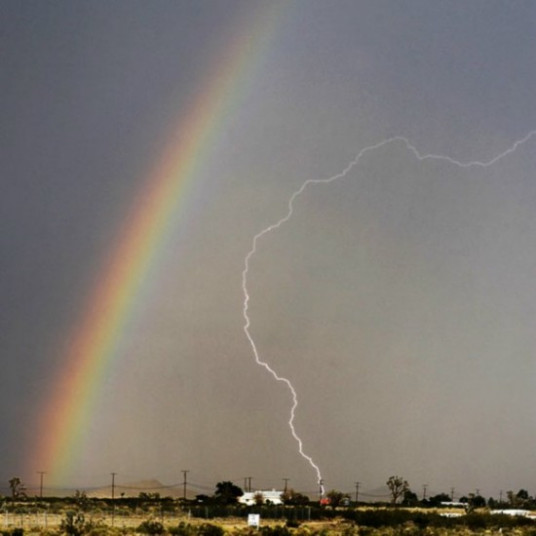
250	498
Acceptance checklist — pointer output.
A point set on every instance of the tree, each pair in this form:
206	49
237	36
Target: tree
74	524
293	498
145	496
397	487
18	489
475	501
479	501
436	500
410	498
336	498
493	503
523	499
81	499
258	498
511	498
151	526
523	495
227	492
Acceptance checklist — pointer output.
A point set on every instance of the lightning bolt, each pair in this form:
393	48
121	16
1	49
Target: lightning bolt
290	211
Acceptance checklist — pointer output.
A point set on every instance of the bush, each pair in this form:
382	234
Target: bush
381	517
208	529
293	523
151	527
74	524
183	529
102	529
277	530
350	530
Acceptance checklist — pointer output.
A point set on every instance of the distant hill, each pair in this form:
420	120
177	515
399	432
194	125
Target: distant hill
133	489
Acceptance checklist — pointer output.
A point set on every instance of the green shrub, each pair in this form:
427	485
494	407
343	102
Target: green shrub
277	530
101	529
151	527
17	531
74	524
208	529
350	530
183	529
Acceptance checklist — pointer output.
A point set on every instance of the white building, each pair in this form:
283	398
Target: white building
268	497
515	512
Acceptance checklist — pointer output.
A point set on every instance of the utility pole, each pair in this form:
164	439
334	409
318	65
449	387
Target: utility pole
249	483
184	473
41	473
500	496
452	494
286	484
357	492
424	486
320	488
113	497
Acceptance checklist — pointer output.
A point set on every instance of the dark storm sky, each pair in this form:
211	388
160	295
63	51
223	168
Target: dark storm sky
399	301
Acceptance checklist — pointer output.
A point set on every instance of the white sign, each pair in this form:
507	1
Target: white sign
254	520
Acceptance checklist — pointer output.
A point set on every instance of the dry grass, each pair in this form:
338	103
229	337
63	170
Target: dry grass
41	523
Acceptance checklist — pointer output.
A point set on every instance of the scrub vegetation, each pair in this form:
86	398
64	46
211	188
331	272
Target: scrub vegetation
221	514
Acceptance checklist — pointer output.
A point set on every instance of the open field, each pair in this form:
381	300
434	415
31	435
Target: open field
367	521
43	523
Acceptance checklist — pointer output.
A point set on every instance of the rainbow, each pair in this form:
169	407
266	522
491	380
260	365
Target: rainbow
93	345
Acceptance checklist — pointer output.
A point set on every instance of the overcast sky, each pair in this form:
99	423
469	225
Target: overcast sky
399	300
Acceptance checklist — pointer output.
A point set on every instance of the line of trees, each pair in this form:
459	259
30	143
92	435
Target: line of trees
400	493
